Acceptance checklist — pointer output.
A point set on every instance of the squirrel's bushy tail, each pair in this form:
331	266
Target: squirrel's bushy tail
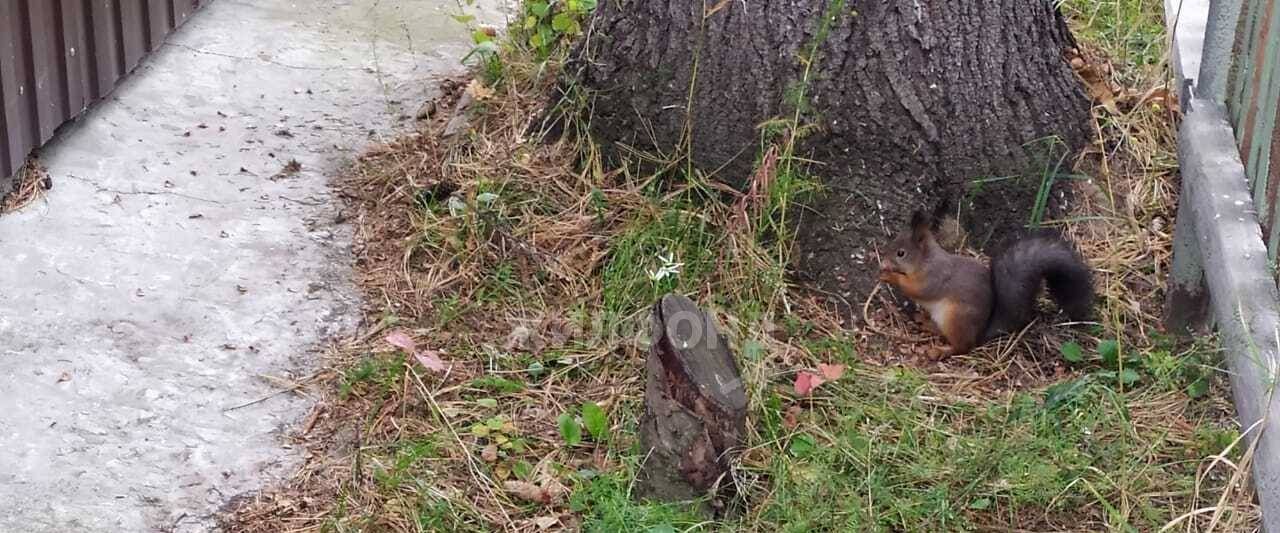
1016	278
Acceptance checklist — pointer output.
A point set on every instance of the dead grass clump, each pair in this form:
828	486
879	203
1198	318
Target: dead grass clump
30	184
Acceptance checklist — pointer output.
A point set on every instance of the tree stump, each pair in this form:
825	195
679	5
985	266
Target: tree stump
695	409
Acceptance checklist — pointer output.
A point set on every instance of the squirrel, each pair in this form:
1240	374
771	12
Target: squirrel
969	303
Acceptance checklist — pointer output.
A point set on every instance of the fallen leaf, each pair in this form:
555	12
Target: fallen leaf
1096	78
489	453
527	491
431	360
546	522
291	168
554	489
402	340
1159	96
558	331
478	90
792	418
806	382
519	339
831	372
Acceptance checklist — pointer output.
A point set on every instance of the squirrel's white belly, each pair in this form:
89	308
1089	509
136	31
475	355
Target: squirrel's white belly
938	313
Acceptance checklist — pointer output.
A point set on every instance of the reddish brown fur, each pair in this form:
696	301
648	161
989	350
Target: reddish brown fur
954	290
969	303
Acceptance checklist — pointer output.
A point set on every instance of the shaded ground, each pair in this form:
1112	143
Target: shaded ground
158	305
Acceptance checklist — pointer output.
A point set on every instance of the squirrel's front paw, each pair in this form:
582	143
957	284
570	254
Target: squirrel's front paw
920	316
937	353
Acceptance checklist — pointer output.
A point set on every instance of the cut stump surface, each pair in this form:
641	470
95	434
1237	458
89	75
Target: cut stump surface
695	408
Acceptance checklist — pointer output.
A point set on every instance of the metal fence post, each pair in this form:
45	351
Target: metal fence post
1215	59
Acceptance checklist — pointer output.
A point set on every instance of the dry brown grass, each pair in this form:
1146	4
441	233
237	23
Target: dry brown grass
430	270
1124	225
30	184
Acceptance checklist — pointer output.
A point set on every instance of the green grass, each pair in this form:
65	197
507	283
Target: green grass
377	373
500	285
498	385
606	504
885	452
1130	32
668	235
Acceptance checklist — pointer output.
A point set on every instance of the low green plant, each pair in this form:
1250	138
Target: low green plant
549	26
406	456
595	420
570	429
497	385
380	372
1188	370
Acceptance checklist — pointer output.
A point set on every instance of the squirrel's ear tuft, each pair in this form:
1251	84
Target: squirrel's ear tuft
921	226
940	211
919	218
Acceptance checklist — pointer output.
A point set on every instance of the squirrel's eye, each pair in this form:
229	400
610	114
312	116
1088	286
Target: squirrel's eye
902	253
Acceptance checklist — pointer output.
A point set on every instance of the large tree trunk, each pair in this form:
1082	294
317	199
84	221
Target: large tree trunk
912	100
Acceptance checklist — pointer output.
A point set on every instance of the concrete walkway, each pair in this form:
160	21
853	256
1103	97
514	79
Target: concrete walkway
169	279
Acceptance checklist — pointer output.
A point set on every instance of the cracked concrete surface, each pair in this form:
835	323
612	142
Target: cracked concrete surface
171	284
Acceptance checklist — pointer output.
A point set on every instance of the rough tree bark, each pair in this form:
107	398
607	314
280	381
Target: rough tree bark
912	99
695	408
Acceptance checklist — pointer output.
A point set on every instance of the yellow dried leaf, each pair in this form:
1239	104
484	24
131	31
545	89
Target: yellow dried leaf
479	91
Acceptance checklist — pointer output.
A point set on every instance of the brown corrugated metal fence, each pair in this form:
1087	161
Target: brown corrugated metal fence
59	56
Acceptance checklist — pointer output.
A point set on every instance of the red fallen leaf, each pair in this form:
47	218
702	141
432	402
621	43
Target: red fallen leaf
431	360
806	382
831	372
402	340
